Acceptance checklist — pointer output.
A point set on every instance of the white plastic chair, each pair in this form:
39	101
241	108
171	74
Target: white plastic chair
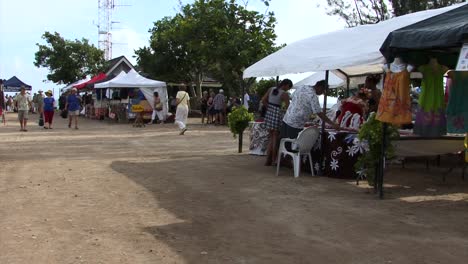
302	145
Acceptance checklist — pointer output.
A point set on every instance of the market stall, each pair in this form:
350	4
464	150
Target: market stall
433	46
14	84
132	85
359	57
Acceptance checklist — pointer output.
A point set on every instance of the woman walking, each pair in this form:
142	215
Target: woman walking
49	107
273	117
157	109
182	102
73	106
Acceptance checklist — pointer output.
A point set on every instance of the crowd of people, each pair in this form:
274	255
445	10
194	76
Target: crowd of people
43	104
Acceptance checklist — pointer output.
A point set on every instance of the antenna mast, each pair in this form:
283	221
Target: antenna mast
104	27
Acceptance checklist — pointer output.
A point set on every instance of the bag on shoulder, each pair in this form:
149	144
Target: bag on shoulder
64	113
158	106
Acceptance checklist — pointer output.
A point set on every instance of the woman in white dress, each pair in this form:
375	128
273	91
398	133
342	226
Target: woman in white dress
183	104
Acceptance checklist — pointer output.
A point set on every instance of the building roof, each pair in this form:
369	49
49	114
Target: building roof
115	62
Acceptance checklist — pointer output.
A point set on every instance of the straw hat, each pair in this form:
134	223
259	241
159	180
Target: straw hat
49	92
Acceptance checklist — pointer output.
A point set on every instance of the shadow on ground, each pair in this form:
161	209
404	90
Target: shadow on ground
235	211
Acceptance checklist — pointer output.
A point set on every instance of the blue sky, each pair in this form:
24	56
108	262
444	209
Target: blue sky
22	22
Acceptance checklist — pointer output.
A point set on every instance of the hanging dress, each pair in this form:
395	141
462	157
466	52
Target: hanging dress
430	116
395	102
457	108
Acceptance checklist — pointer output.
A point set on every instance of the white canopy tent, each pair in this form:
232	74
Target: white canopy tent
333	80
133	79
350	52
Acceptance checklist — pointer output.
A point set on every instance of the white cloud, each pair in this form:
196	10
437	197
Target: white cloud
126	41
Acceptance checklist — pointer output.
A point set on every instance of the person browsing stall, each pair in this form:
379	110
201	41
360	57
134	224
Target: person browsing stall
304	103
273	99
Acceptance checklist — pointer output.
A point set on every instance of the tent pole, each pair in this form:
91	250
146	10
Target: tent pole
378	181
322	143
347	85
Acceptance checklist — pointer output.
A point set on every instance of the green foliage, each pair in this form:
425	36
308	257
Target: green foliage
262	86
68	61
361	12
371	132
218	38
238	120
403	7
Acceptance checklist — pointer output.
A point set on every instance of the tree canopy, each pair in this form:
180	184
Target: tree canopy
361	12
215	38
68	61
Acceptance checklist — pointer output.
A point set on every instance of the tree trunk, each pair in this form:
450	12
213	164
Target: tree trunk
240	141
198	82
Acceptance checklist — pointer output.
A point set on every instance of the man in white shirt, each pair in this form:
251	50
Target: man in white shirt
24	103
304	103
246	100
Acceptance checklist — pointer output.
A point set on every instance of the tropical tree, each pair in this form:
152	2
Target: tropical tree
402	7
361	12
68	60
218	38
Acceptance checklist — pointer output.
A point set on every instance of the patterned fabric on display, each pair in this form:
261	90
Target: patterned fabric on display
395	103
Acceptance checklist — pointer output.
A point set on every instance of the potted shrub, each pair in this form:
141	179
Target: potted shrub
238	121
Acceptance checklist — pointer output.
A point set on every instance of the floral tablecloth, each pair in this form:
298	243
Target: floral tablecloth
341	151
258	138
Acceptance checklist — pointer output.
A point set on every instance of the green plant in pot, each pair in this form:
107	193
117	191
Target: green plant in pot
238	121
371	133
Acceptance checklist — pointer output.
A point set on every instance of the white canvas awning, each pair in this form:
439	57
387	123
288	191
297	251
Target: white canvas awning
333	80
355	51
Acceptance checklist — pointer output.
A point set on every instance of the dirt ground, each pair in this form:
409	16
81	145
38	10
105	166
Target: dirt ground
111	193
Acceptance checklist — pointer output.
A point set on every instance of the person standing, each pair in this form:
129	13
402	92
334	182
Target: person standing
273	99
183	104
48	109
24	104
304	103
204	107
246	100
62	102
73	106
211	111
219	103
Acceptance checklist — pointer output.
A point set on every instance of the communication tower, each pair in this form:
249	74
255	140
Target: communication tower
105	8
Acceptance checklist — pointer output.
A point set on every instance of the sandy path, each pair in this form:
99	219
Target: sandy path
110	193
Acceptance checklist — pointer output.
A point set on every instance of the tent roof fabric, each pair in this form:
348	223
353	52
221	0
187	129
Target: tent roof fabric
68	87
14	84
132	79
447	30
96	78
333	80
343	49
